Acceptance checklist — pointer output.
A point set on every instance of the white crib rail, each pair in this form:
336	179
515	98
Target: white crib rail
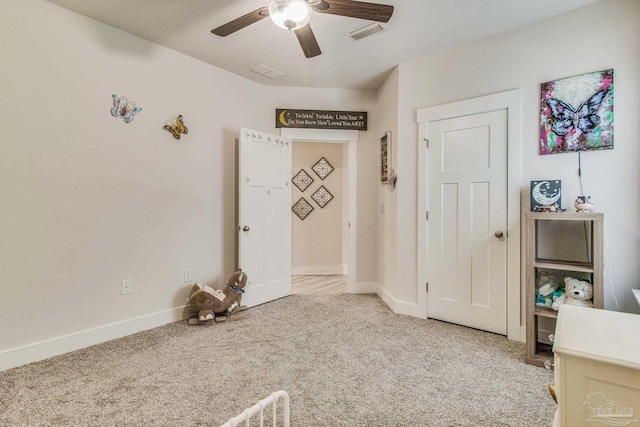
246	415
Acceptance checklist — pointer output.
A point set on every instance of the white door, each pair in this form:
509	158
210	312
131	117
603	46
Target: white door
467	202
264	216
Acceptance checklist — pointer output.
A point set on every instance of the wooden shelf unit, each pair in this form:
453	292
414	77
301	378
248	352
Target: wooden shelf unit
538	353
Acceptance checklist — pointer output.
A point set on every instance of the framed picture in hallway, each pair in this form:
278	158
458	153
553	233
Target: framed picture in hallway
385	157
302	180
302	208
322	168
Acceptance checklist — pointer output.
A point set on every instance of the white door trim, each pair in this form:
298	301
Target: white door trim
349	137
512	102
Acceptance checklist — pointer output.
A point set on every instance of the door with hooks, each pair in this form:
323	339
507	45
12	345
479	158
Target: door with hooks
264	217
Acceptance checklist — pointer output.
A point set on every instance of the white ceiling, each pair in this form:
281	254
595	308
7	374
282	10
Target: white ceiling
417	28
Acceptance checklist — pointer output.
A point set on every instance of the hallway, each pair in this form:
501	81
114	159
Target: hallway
325	284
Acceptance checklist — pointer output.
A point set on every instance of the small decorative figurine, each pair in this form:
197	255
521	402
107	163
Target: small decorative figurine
584	204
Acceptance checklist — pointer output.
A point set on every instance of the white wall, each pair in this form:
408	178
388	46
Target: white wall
316	241
605	35
88	200
387	198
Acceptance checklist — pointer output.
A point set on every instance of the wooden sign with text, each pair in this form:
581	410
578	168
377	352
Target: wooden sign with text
319	119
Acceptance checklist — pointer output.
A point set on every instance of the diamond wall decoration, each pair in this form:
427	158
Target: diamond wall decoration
322	168
302	208
302	180
322	196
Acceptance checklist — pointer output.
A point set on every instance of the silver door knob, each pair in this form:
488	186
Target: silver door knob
246	228
498	234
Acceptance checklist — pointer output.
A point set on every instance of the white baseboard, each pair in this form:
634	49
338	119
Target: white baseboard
364	288
410	309
35	352
386	297
319	269
401	307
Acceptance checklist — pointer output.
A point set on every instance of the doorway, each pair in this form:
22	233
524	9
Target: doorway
346	140
320	218
319	224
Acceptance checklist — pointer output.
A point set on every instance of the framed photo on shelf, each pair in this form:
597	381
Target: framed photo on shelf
385	157
546	195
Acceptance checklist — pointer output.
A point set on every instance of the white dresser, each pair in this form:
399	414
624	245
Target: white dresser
597	367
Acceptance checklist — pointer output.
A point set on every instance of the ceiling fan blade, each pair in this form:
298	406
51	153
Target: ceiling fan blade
239	23
354	9
308	41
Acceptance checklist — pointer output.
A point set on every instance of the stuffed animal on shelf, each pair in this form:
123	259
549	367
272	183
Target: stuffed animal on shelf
577	292
558	299
210	304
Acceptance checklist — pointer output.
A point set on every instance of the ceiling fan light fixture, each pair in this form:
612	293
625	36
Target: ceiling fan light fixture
290	14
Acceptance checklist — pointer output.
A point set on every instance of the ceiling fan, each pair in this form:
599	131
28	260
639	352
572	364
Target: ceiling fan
296	14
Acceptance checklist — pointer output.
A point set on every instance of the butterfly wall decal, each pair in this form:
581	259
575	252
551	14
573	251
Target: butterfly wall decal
585	118
123	108
177	128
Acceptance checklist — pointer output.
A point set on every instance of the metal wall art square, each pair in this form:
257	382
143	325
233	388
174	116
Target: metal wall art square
322	168
302	180
302	208
322	196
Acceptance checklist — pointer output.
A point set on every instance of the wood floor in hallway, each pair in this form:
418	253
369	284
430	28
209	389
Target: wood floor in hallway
325	284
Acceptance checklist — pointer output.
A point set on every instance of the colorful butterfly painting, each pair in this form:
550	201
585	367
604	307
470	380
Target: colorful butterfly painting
565	128
176	129
123	108
585	118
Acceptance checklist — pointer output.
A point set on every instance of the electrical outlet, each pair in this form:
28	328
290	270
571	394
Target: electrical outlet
187	276
126	286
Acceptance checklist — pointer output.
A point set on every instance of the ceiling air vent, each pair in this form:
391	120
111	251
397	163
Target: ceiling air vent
267	72
366	31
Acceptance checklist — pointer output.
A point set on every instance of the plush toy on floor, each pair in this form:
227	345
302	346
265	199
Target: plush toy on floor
577	292
210	304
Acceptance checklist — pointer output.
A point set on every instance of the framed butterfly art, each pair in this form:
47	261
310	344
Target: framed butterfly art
176	127
576	113
123	108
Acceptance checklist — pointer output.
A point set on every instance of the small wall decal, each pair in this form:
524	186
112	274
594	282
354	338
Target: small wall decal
123	108
177	128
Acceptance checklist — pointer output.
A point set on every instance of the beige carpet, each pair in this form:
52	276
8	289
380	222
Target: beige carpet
345	361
